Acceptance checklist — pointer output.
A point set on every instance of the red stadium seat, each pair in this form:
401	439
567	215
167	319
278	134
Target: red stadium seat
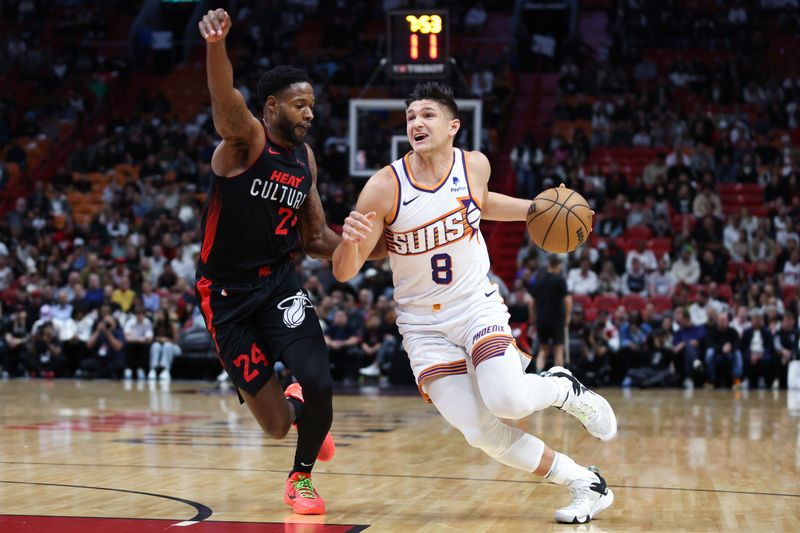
583	300
725	292
606	302
661	304
638	232
789	293
634	302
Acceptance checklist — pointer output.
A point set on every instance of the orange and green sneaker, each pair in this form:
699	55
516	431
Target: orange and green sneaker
302	496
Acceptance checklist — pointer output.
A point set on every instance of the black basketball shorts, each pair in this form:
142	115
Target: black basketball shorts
550	334
253	322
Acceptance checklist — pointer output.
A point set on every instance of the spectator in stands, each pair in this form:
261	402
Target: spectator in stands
633	333
634	281
150	299
712	266
123	295
686	269
45	358
17	337
343	340
520	304
716	301
552	305
791	270
6	272
757	346
698	311
378	345
741	321
723	356
688	342
762	247
658	368
707	202
526	158
582	280
655	171
165	347
138	332
607	281
646	257
661	282
106	344
787	348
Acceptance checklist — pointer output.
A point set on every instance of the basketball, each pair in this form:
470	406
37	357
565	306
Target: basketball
559	220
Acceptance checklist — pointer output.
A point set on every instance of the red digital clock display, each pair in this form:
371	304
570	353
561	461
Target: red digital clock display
418	44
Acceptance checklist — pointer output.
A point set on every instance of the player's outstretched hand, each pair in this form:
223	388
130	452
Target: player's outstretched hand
357	226
215	25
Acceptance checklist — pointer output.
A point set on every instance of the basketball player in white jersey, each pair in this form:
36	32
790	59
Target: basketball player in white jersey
428	206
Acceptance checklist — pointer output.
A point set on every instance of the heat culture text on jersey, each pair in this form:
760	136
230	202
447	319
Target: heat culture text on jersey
449	228
280	187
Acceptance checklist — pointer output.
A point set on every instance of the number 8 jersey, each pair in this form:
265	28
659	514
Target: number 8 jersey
436	249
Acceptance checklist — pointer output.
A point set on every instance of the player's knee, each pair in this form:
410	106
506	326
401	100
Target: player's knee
477	437
318	390
505	403
275	429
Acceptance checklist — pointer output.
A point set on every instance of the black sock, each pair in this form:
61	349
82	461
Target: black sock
298	409
307	358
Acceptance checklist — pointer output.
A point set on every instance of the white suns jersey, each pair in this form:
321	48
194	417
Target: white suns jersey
436	249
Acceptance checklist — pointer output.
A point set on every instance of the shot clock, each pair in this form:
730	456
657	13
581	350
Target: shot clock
419	44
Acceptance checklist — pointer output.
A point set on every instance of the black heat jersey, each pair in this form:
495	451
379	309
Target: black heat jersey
250	220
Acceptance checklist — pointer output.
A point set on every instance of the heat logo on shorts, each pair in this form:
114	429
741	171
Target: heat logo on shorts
294	309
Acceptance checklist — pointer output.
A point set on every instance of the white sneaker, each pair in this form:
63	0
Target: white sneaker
139	374
371	370
589	497
688	383
128	374
164	375
223	376
151	376
776	384
593	411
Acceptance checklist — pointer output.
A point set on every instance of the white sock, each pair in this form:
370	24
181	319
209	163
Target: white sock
565	470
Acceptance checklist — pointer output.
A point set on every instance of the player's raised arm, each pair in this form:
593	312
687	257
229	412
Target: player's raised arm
363	228
232	119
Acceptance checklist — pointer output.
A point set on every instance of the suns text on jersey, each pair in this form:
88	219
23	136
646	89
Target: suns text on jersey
447	229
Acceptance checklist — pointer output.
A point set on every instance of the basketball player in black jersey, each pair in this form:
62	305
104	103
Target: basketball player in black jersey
264	199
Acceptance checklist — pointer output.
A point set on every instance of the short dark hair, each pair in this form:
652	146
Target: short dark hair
279	78
438	92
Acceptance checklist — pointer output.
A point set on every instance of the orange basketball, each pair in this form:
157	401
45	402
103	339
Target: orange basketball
559	220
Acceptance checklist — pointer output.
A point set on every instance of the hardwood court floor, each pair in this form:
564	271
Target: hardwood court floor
141	458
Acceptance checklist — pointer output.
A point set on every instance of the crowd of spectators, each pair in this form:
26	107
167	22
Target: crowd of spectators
672	288
682	281
112	294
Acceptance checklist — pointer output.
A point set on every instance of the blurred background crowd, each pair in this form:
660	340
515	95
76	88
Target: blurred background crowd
679	122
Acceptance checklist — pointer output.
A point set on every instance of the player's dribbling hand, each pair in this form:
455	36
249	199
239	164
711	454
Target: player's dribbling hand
357	226
215	25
